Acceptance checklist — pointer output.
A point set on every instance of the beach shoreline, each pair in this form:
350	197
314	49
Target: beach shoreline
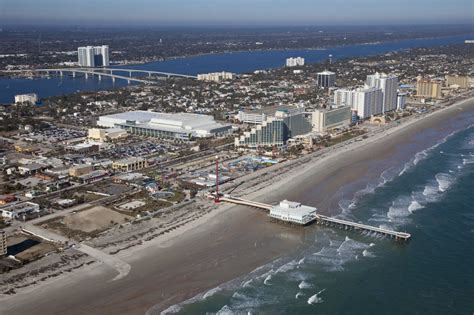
213	249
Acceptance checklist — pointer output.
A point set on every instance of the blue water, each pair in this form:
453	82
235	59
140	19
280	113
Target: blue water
238	62
430	194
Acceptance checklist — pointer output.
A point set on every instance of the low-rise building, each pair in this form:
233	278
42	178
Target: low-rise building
31	168
293	212
83	148
4	199
107	134
130	164
325	120
19	210
93	176
80	170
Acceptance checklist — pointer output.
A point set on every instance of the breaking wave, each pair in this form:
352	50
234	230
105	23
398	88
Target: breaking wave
315	299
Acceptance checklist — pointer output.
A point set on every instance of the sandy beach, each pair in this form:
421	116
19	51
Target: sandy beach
230	241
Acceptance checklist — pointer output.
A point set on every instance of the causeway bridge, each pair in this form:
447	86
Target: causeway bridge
324	220
114	73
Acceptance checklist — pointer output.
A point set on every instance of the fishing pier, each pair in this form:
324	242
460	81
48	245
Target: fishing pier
296	213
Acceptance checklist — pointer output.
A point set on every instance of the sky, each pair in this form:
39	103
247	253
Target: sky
236	12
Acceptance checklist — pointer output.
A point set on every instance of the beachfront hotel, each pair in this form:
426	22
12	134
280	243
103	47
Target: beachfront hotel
325	120
389	85
367	101
276	130
181	126
428	89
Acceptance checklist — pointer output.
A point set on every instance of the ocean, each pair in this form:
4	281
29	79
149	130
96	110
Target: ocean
237	62
428	193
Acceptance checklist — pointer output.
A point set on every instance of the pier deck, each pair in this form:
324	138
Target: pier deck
326	221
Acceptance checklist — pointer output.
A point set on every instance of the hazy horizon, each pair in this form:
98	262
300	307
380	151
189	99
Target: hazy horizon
235	13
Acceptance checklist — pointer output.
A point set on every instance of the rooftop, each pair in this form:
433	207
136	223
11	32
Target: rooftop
294	212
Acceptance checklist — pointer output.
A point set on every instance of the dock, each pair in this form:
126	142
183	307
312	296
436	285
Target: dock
293	212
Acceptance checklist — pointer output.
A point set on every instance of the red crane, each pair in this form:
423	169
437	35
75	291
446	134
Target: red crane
216	198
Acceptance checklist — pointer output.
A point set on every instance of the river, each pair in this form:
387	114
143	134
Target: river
237	62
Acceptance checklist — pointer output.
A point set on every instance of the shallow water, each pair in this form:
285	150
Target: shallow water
430	195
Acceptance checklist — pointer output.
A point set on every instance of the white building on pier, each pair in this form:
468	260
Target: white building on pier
293	212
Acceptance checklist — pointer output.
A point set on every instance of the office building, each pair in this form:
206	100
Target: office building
295	62
326	79
181	126
389	86
366	101
457	81
3	243
428	89
276	130
325	120
93	56
216	76
26	98
130	164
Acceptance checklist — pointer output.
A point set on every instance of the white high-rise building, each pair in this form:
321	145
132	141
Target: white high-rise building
93	56
366	101
86	56
401	101
389	86
294	62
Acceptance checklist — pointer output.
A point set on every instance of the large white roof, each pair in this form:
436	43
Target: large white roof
175	122
293	211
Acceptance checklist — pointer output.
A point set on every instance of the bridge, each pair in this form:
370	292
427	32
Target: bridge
107	72
322	219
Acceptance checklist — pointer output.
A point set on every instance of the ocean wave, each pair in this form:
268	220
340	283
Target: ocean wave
366	253
211	292
444	181
225	310
267	280
414	205
170	310
305	285
315	299
467	161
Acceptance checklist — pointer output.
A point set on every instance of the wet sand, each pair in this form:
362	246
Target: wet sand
224	245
